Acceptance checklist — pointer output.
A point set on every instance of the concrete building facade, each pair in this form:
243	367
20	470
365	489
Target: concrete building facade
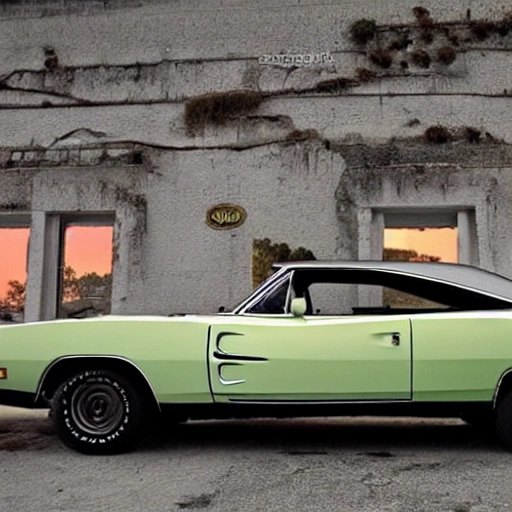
340	119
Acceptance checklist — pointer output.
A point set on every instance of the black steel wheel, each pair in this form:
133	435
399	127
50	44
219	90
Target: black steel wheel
97	412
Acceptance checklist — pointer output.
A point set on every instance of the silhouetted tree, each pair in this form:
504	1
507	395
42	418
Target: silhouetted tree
265	254
70	290
391	254
94	285
15	296
399	299
74	288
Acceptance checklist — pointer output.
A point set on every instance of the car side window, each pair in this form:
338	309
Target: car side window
346	299
331	293
332	298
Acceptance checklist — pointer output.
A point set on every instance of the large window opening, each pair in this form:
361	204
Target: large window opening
85	270
444	234
421	244
428	245
14	242
428	237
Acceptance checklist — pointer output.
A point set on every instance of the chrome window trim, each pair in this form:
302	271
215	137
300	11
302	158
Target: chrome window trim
355	266
257	293
89	356
444	281
288	300
375	266
319	402
268	315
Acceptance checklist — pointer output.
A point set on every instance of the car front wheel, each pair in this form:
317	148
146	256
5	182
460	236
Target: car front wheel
97	412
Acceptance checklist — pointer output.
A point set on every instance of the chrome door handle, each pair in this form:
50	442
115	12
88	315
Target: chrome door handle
395	339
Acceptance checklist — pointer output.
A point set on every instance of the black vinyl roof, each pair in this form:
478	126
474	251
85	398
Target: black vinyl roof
461	276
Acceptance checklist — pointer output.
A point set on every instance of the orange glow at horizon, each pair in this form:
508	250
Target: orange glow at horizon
13	256
89	248
86	249
440	242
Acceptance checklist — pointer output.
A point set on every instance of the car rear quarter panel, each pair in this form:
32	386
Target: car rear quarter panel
460	356
171	352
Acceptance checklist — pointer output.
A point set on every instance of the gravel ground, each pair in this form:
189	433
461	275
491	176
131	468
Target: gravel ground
348	464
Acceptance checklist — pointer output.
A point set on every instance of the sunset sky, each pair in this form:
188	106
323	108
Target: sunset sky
87	249
435	241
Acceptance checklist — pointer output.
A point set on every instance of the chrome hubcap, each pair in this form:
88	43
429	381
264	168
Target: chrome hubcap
97	408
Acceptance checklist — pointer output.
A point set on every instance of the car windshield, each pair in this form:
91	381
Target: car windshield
268	283
274	300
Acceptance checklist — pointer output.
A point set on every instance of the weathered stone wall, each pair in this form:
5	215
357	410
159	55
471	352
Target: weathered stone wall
401	177
283	188
93	98
166	258
124	65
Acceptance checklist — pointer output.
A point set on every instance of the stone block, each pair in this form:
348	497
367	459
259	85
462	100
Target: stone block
90	156
74	157
118	153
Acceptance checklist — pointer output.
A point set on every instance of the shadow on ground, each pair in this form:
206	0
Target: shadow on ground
378	436
26	433
321	435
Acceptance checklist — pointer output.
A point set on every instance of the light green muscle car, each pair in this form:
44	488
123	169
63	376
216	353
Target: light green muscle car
316	339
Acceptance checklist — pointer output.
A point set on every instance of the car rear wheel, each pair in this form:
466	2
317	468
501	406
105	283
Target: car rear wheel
97	412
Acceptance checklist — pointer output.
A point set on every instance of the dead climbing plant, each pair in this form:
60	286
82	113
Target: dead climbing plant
217	108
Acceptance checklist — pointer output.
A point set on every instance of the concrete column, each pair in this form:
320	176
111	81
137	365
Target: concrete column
377	236
371	242
364	227
483	236
43	258
464	238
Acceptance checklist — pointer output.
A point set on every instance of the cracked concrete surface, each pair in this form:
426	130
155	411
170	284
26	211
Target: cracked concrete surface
348	464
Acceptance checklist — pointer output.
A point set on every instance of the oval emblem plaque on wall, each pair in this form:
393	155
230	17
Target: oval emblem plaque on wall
225	216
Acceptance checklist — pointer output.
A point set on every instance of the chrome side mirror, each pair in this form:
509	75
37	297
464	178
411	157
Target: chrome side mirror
298	307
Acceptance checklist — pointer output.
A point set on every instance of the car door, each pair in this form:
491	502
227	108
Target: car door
311	359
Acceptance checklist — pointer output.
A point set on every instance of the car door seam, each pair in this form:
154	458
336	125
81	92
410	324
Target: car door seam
411	361
209	363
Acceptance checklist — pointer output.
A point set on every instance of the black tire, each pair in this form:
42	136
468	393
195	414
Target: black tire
504	421
98	412
484	421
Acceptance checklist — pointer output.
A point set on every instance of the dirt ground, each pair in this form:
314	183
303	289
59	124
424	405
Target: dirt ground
22	429
299	465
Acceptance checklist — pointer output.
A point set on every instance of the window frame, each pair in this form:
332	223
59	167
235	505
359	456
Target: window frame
86	219
19	220
265	288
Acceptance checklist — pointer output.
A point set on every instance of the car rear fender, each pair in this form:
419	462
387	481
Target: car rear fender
65	367
503	387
